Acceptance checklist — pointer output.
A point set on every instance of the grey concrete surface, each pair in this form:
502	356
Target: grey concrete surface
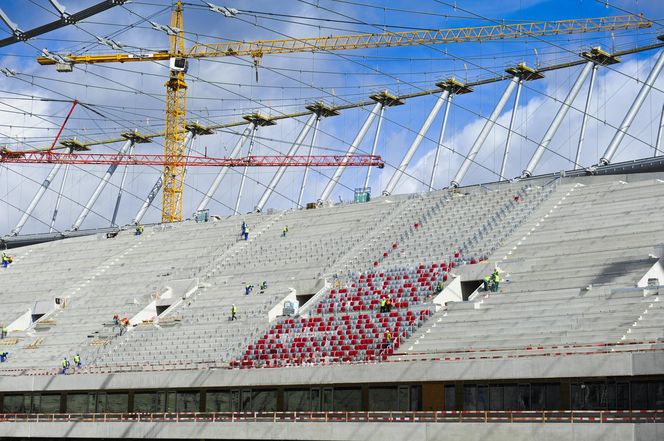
340	431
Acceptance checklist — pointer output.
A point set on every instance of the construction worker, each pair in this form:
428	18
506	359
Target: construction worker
3	356
124	324
383	302
116	320
263	286
487	283
139	230
284	231
6	260
4	332
388	304
495	278
247	289
65	365
77	360
233	312
388	339
244	228
246	233
439	288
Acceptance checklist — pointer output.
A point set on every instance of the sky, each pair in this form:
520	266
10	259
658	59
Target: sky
119	98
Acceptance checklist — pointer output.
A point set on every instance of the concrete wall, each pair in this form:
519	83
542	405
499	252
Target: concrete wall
655	272
340	431
601	365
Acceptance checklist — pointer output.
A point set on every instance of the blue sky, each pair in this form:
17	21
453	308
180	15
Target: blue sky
222	90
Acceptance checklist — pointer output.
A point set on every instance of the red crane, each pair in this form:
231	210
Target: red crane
50	157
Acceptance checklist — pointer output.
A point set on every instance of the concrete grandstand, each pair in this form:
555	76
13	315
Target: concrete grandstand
258	292
575	326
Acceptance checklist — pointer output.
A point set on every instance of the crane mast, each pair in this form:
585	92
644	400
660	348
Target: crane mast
176	121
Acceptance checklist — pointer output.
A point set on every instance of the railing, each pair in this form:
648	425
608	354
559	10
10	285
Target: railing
498	416
408	357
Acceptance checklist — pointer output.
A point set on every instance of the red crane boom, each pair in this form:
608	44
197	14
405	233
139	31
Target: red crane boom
50	157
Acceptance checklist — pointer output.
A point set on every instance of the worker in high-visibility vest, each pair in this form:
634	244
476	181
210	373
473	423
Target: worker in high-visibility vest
284	231
233	312
388	339
5	331
495	278
487	283
6	260
77	360
65	365
139	230
383	302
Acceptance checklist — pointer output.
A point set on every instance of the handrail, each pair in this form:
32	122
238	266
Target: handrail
465	416
451	356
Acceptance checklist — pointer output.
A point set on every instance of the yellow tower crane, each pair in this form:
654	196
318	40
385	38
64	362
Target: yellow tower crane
177	56
176	120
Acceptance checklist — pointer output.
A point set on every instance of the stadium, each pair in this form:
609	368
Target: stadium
350	223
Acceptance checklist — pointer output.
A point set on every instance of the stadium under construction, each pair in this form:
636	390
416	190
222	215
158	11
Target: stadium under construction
471	250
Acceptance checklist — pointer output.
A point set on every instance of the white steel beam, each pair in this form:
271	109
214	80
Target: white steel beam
374	146
660	130
306	169
394	180
100	187
244	174
440	141
120	190
224	170
488	125
281	170
509	129
325	195
584	121
35	200
633	110
557	120
59	198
